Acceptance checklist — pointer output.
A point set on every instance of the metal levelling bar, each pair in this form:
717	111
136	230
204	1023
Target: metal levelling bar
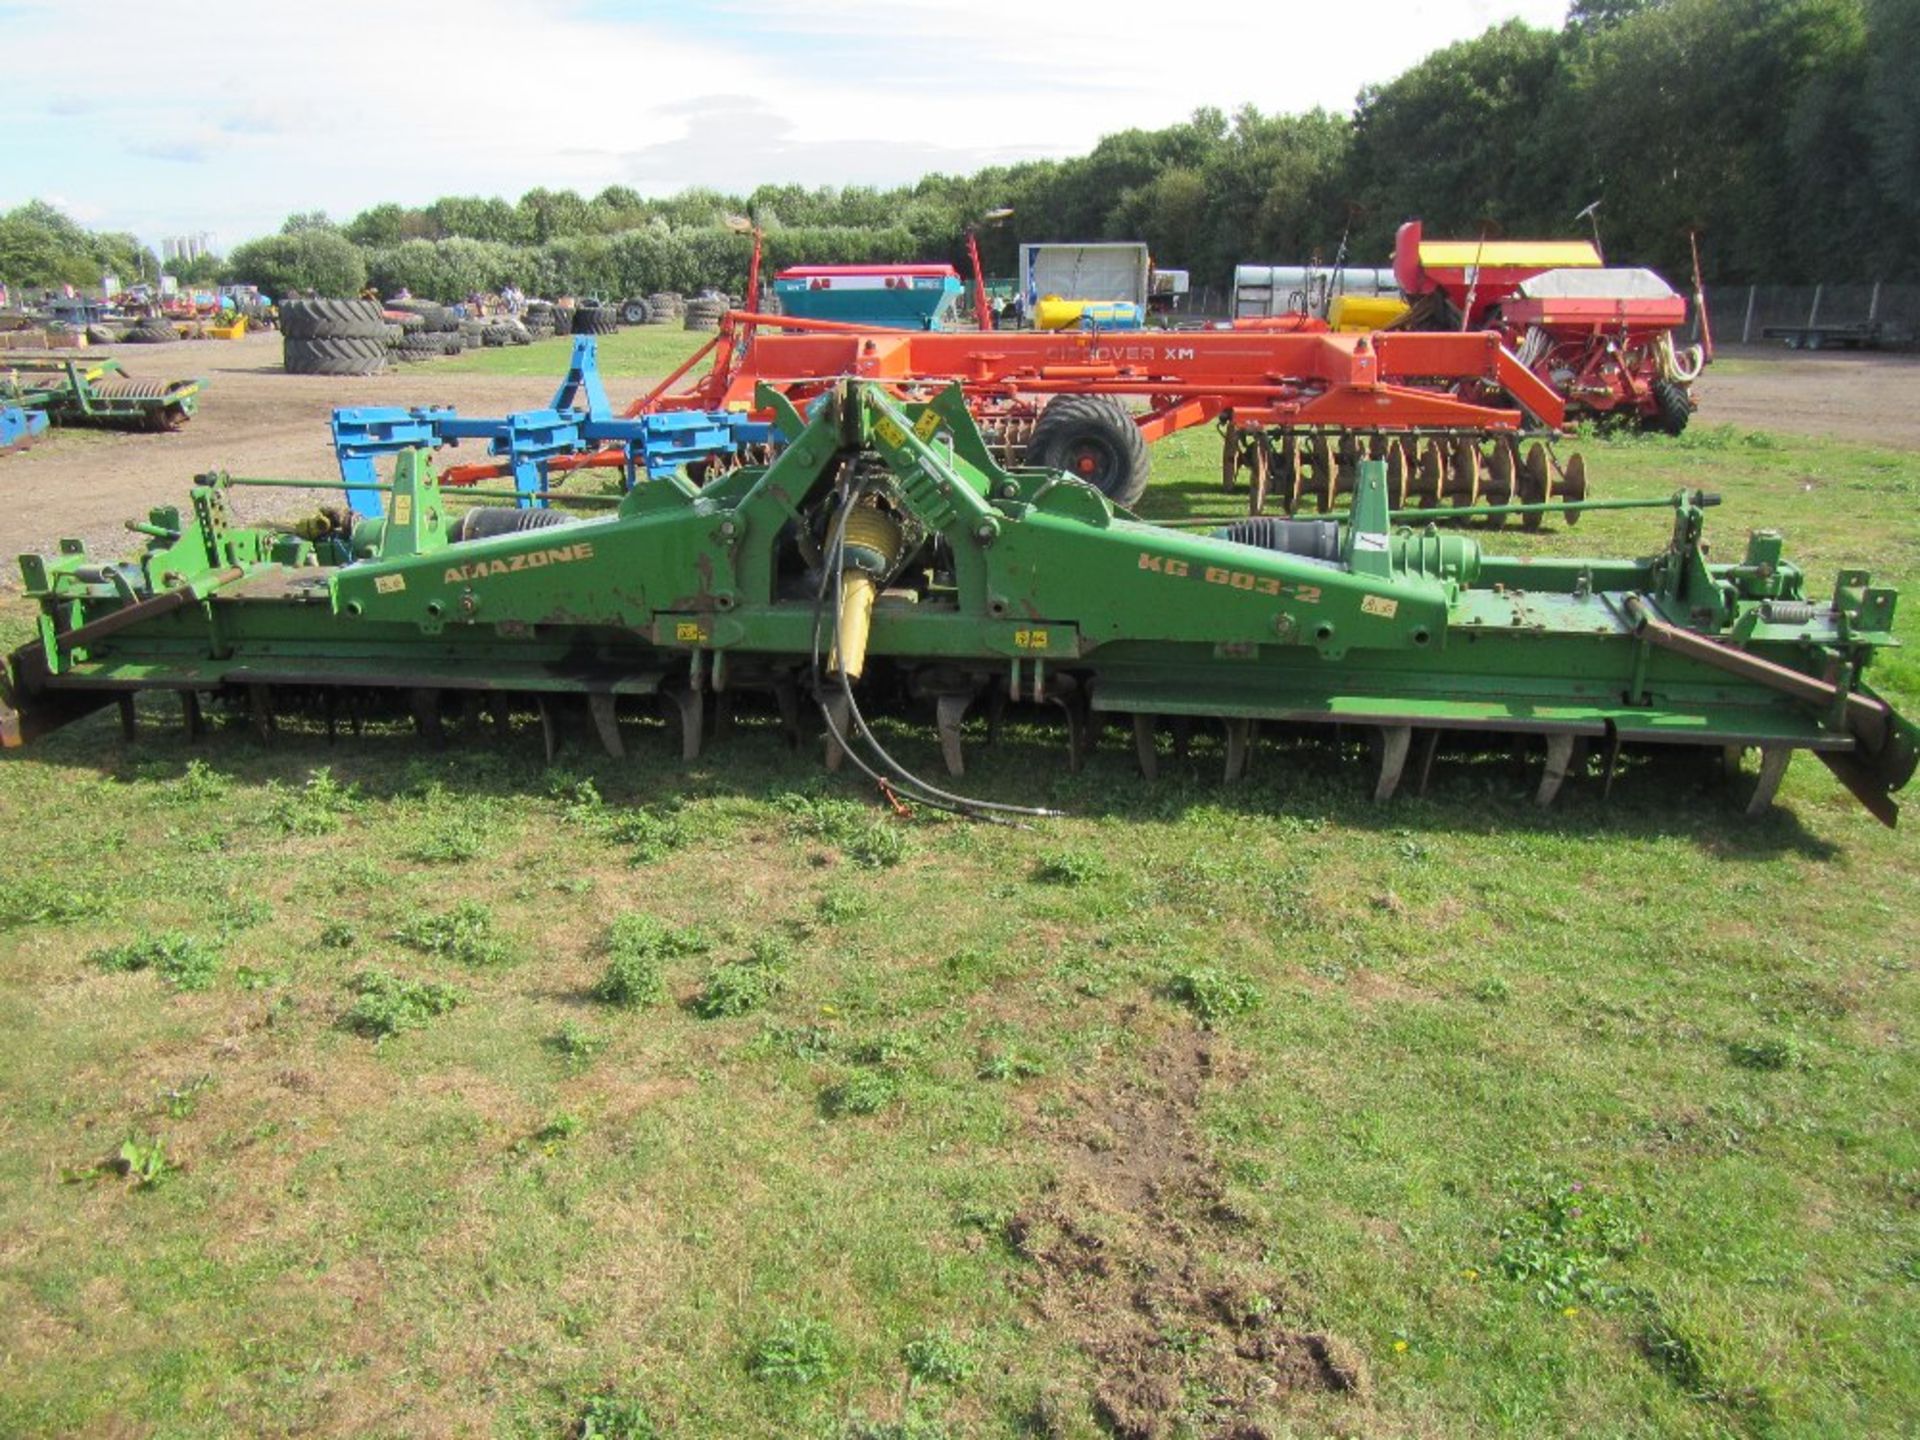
1556	507
1473	512
385	488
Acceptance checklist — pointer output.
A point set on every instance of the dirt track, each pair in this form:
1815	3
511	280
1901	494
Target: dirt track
1843	395
256	420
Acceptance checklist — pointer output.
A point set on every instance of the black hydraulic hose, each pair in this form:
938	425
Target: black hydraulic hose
831	578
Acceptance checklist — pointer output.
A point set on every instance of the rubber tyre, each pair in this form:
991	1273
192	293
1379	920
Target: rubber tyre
332	320
1093	438
595	320
435	317
429	342
333	357
151	332
1675	406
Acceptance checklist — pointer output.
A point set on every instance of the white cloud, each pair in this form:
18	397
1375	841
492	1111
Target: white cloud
360	101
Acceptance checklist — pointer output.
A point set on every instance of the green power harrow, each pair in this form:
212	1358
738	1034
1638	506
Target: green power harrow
886	557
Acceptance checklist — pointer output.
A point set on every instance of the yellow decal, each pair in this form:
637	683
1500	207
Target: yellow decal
1245	580
402	510
891	435
388	584
1380	605
926	425
1030	639
688	632
529	560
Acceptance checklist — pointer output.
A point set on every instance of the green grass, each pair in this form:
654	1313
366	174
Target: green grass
636	351
1596	1121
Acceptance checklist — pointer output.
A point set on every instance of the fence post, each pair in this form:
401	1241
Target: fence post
1873	305
1746	326
1813	315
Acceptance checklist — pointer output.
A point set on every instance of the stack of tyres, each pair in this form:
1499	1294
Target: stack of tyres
438	331
704	314
665	307
333	337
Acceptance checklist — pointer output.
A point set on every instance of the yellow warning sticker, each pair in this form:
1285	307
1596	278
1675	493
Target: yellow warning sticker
926	425
1030	639
389	584
891	435
403	509
688	632
1380	605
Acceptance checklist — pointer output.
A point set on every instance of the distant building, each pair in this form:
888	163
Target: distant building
187	247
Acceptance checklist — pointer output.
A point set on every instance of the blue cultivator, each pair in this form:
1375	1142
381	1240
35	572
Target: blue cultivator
579	430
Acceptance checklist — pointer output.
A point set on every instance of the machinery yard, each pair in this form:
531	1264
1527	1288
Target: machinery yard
918	1122
918	728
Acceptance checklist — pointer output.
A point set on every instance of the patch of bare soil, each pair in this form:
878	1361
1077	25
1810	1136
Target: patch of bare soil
1136	1254
1838	394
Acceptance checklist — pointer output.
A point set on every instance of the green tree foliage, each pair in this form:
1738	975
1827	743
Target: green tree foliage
41	247
1785	132
324	261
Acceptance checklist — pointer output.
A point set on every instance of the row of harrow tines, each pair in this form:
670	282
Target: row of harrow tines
885	562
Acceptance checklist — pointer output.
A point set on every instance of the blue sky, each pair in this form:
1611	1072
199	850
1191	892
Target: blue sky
251	111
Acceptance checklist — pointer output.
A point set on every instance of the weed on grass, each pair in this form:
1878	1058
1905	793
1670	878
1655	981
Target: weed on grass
577	1046
464	935
870	840
1069	867
451	836
1765	1055
653	834
316	808
936	1358
36	900
144	1162
865	1092
176	957
638	947
613	1417
742	986
796	1350
201	783
1565	1244
1213	994
387	1004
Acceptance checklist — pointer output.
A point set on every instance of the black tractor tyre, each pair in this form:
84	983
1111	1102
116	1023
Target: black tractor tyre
333	357
1675	406
595	320
332	320
434	317
151	332
1093	438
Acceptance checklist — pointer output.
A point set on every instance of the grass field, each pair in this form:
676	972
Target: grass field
368	1090
645	350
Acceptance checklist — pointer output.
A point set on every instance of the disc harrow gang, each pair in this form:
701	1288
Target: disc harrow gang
885	562
1286	470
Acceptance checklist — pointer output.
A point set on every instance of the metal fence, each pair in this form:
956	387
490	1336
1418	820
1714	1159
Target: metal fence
1743	314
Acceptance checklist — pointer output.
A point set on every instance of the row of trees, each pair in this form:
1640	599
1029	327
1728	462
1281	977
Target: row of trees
1785	132
40	247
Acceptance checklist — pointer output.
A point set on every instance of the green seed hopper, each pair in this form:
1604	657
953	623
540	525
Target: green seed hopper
886	559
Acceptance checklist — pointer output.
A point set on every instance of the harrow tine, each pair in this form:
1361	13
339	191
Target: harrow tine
839	715
190	715
549	729
1145	746
1559	761
260	703
1430	747
604	710
426	715
1239	749
129	724
950	710
689	708
787	696
1393	742
1081	734
1612	765
1774	760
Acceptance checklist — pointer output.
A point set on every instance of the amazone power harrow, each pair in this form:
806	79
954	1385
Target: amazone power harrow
886	558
